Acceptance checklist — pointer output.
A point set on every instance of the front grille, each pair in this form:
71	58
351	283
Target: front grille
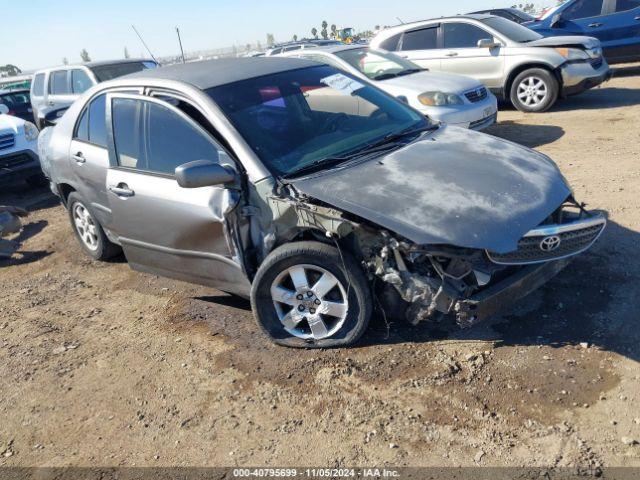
573	239
14	160
477	95
7	140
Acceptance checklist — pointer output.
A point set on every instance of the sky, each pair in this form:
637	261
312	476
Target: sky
49	30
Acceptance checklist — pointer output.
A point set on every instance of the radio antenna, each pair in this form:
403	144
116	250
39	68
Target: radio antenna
180	42
145	45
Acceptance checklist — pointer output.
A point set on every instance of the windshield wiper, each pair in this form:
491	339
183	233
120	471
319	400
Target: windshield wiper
385	76
408	71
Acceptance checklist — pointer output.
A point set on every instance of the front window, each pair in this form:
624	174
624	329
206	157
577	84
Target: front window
58	83
115	70
512	30
378	65
80	81
583	9
295	119
464	35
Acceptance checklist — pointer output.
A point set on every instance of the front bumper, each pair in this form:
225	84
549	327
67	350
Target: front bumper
17	166
495	298
475	116
580	76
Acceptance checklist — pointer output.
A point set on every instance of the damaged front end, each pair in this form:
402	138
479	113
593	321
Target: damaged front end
430	281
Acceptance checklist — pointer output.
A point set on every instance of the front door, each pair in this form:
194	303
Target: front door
463	56
163	228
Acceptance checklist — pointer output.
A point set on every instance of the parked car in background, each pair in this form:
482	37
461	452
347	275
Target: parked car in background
58	87
18	103
512	14
616	23
300	45
18	150
309	190
516	63
444	97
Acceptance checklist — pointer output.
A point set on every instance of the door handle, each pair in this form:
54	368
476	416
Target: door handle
452	54
121	190
79	158
595	25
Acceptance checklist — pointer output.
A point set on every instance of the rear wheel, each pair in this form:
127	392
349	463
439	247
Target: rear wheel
534	90
88	230
308	294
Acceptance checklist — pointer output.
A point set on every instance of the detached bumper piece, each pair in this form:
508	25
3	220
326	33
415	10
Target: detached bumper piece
495	298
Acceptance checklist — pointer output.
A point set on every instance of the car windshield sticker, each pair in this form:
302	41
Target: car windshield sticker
342	83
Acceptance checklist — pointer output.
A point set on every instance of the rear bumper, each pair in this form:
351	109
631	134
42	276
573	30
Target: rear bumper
488	302
18	166
580	76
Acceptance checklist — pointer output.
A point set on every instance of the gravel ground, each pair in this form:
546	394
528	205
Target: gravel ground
100	365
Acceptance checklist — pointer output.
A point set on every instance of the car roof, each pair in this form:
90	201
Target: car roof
100	63
212	73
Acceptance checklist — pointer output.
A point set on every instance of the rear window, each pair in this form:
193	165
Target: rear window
38	85
423	39
115	70
391	43
58	83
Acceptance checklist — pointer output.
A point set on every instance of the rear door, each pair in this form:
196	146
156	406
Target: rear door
420	45
463	56
38	97
59	90
625	32
163	228
89	158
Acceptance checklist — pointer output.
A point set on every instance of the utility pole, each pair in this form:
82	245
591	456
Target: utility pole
180	42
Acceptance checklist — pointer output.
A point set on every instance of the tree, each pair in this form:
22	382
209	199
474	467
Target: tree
295	37
9	71
526	7
65	61
314	32
126	53
324	33
270	40
333	29
84	55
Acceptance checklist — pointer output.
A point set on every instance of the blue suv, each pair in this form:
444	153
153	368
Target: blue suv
616	23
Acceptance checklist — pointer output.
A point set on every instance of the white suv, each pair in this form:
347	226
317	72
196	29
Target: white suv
18	150
56	88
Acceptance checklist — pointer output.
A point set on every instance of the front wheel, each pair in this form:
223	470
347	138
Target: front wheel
534	90
312	295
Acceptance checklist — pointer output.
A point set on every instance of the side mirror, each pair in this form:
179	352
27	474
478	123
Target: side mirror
4	109
203	173
488	43
52	117
556	20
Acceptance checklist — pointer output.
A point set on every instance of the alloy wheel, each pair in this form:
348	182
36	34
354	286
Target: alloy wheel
85	226
310	301
532	91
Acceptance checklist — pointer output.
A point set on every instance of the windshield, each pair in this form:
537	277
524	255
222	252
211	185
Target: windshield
378	65
115	70
297	118
512	30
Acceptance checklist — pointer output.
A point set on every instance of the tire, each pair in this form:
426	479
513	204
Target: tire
99	247
336	322
534	90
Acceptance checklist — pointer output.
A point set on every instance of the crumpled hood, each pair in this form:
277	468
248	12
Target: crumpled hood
564	40
452	186
433	82
10	124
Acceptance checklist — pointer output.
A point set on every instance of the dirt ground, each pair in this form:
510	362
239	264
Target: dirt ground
100	365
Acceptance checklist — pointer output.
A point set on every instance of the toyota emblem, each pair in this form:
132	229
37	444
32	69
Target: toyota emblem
550	243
